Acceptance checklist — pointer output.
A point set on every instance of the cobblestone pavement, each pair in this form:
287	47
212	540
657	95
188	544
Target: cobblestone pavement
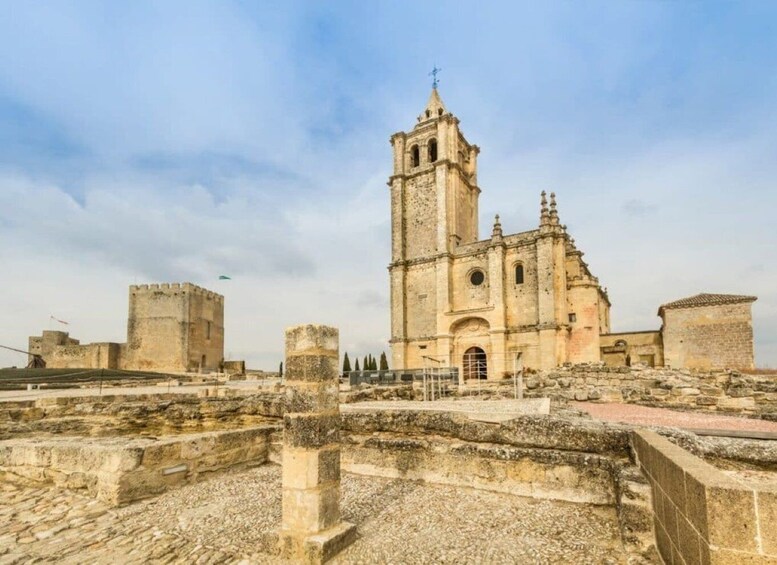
651	416
231	517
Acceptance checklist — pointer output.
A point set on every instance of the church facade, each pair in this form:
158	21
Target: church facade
486	306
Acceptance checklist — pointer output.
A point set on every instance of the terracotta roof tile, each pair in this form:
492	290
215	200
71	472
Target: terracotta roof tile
705	299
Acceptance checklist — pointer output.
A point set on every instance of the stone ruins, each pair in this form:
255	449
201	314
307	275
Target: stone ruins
171	327
513	428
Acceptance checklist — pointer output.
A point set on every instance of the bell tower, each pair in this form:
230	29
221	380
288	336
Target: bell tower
434	209
434	192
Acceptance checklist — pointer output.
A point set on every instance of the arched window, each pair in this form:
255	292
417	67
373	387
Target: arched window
519	274
432	150
415	156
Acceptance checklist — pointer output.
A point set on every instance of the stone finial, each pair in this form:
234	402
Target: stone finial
553	211
497	231
544	216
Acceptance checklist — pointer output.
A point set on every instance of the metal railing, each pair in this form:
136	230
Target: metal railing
398	377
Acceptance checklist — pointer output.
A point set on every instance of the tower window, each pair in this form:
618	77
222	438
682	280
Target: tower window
207	330
415	156
477	278
519	274
432	150
572	318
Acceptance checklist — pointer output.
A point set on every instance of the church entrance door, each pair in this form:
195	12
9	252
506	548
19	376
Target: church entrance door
475	364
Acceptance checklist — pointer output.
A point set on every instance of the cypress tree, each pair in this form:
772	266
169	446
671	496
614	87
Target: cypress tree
374	364
280	370
346	364
383	362
366	363
357	365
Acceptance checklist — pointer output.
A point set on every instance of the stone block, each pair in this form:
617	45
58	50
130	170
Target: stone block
311	368
312	339
311	430
721	556
735	404
706	400
310	510
696	503
160	454
767	520
309	468
688	542
312	397
663	542
731	519
316	548
738	392
711	390
197	447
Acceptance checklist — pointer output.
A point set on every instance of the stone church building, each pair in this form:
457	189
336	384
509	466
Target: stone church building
490	306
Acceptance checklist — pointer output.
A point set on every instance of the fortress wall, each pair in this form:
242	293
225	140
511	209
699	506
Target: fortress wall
167	329
206	330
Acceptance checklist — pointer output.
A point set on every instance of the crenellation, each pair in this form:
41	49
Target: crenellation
170	327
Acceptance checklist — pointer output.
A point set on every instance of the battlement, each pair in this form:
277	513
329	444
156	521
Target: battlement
173	288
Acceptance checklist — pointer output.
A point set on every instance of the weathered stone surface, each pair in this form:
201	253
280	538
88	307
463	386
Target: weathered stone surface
311	430
311	528
700	513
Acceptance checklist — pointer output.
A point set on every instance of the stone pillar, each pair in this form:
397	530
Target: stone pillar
311	528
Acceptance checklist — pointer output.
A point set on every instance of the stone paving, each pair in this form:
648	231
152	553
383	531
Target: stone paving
231	518
654	416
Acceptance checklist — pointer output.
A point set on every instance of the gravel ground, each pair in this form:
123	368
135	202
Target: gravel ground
231	517
538	406
650	416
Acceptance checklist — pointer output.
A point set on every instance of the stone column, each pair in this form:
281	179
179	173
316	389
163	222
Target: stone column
311	528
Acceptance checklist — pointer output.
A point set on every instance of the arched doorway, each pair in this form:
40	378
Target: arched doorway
475	364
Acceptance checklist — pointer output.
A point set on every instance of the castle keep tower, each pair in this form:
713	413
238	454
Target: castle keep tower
174	327
483	306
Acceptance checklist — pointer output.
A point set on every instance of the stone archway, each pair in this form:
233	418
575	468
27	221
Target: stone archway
475	364
471	335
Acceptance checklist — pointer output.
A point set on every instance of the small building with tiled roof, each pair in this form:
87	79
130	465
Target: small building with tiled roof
704	331
708	331
706	299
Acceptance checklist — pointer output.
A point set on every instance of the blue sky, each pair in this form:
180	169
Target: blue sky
171	141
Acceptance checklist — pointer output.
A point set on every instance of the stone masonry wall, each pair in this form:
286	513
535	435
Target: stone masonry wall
724	391
701	515
719	336
174	327
118	471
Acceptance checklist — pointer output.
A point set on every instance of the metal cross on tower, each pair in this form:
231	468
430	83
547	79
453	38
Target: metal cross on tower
435	80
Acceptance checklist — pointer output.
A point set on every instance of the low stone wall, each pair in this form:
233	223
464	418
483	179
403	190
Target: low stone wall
700	514
118	470
113	415
578	461
726	391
